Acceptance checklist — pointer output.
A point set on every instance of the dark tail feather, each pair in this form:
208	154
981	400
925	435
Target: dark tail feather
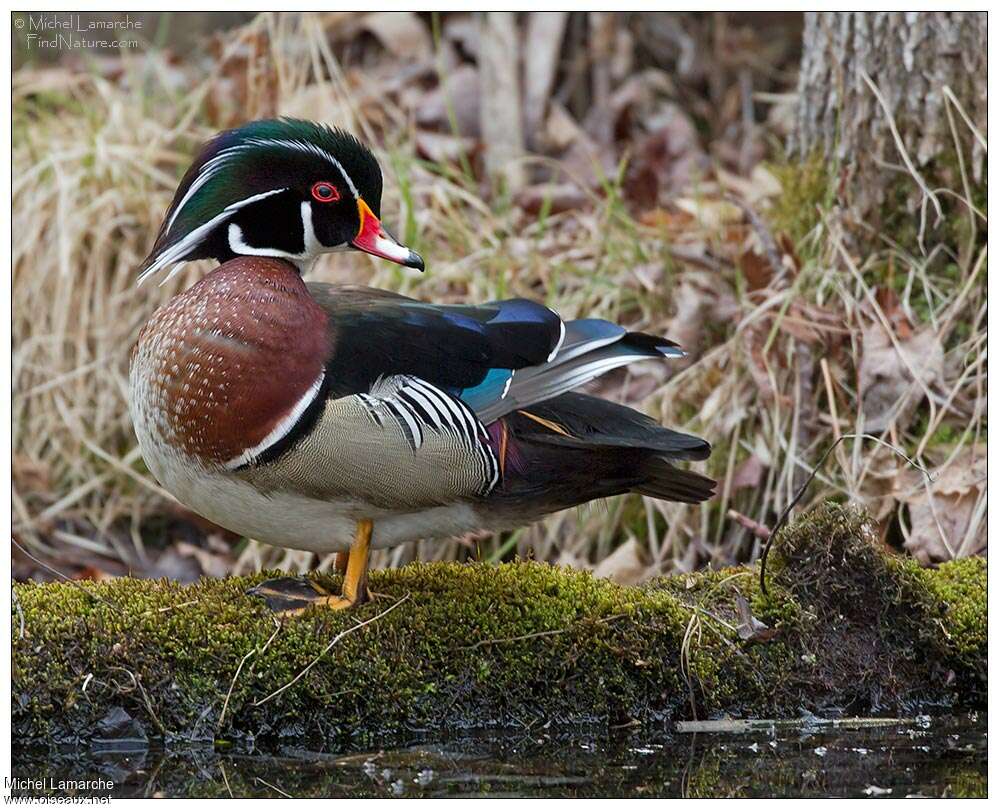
597	423
669	443
669	483
577	448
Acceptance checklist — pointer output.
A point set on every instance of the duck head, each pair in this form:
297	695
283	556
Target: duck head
284	188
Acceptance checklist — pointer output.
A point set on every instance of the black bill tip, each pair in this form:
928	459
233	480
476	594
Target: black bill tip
415	260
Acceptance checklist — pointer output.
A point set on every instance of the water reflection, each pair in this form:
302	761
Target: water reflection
940	757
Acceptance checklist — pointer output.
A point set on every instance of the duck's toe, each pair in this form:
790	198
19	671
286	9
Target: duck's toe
288	596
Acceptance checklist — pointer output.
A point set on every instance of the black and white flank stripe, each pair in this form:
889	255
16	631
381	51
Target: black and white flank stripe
417	407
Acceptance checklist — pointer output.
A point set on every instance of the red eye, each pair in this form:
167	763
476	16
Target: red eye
325	192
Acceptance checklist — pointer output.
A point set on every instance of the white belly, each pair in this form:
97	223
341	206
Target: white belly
294	521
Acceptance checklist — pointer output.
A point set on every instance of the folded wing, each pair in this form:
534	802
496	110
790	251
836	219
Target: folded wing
376	334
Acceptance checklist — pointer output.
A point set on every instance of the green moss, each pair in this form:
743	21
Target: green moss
899	213
807	187
815	184
519	643
970	783
957	584
962	619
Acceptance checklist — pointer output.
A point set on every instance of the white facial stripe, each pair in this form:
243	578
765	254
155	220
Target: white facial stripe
311	247
213	166
177	252
242	203
206	173
283	427
239	246
310	149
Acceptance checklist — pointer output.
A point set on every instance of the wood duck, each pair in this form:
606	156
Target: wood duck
333	417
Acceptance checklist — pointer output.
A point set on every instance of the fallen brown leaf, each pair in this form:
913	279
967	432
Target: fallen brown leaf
441	148
887	373
711	214
666	159
625	565
667	220
401	33
686	326
213	565
757	270
750	628
93	573
941	515
748	474
558	197
760	185
458	95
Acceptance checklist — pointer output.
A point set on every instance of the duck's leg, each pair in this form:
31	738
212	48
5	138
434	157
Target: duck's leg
289	596
340	562
355	581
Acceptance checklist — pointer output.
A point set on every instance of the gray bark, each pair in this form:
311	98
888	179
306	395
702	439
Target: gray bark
911	57
541	54
502	130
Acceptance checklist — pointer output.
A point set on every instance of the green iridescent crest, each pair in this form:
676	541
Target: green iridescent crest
246	164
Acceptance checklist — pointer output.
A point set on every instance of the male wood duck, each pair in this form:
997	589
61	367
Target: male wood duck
341	418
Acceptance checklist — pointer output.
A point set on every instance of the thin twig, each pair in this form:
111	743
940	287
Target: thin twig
254	651
336	639
145	698
490	641
226	780
901	148
20	612
974	130
693	625
66	578
168	608
272	787
267	645
798	496
541	634
713	617
757	528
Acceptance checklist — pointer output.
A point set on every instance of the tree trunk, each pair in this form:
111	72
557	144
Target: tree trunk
502	130
916	60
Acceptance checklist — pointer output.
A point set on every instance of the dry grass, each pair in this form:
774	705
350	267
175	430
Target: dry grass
774	376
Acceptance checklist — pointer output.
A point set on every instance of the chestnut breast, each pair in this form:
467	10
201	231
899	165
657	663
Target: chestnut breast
224	364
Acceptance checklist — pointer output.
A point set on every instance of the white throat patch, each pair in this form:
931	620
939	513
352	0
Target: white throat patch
310	250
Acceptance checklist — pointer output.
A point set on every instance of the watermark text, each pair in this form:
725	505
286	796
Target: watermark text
69	31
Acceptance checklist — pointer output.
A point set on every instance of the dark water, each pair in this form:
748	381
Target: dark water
942	756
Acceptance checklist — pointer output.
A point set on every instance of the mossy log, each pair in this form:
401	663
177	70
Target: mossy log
848	626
